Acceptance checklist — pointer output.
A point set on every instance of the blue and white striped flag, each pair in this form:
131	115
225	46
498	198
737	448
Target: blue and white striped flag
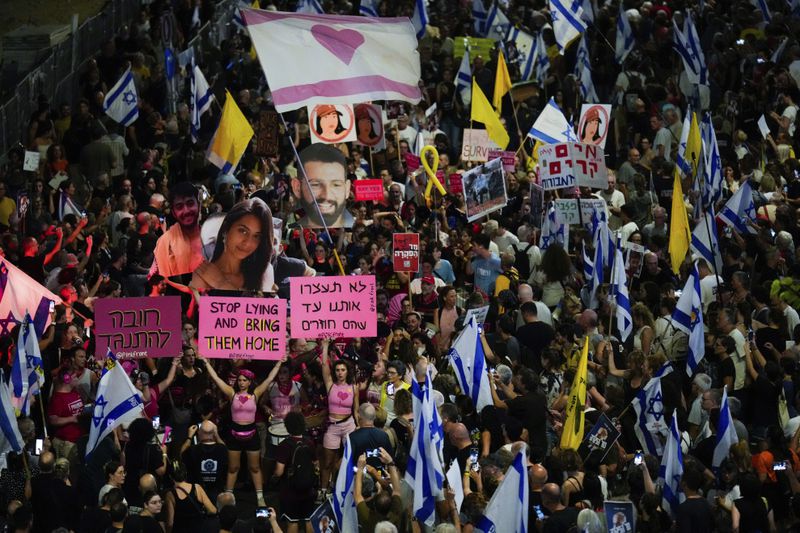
568	22
27	374
602	233
10	437
424	472
740	209
588	273
507	511
201	99
67	206
344	503
555	230
778	53
687	44
726	432
237	14
583	72
551	126
463	81
117	402
619	287
369	8
526	50
598	266
764	8
705	243
712	192
497	23
688	317
479	16
651	426
625	38
420	18
469	362
310	7
122	101
671	470
541	62
589	9
684	164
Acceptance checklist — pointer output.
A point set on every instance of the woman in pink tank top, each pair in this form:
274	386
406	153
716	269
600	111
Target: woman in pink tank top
342	407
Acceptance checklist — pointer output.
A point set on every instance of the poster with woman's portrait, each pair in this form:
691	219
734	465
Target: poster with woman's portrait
369	126
593	126
331	123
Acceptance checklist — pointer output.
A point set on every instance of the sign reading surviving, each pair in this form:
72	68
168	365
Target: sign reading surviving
565	165
138	327
333	306
242	328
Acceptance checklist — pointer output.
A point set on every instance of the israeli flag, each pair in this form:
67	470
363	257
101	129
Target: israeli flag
469	361
588	274
420	18
526	48
726	432
310	7
344	503
685	165
554	230
740	209
589	9
507	511
598	266
27	374
688	317
687	44
541	59
625	38
648	405
237	14
463	81
568	22
603	237
497	23
619	286
424	471
201	99
712	191
10	437
122	101
671	470
369	8
583	72
776	55
764	8
479	16
705	243
117	402
551	126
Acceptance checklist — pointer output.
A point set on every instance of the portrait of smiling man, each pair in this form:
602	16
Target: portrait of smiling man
179	250
326	168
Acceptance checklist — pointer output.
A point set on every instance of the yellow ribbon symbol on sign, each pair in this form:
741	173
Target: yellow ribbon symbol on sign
432	179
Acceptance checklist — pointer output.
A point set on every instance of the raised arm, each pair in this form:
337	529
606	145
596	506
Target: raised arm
173	369
326	367
56	248
270	378
226	389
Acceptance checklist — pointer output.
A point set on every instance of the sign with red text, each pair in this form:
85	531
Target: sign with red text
565	165
133	328
405	254
508	157
476	145
589	166
366	190
555	166
333	306
242	328
412	162
454	184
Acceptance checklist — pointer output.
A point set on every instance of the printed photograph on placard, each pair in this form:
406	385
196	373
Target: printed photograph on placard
331	123
593	126
326	168
484	189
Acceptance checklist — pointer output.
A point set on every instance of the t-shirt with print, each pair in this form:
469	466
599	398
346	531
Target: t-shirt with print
63	405
486	272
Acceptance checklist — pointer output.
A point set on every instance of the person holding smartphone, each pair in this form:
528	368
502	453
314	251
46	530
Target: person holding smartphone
394	372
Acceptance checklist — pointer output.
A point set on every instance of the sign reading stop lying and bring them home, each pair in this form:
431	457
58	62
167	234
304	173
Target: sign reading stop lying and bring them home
242	328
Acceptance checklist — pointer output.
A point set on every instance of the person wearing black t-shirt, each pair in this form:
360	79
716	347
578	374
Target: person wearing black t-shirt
32	262
534	336
525	403
561	519
206	458
694	515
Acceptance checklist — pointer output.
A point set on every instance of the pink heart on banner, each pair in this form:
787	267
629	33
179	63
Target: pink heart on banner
341	43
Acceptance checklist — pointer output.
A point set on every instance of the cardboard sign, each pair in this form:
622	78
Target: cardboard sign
476	145
242	328
134	328
565	165
593	126
589	166
454	184
366	190
484	189
599	440
405	255
369	126
555	166
331	123
333	306
509	159
267	133
31	161
568	211
619	516
590	206
412	162
479	313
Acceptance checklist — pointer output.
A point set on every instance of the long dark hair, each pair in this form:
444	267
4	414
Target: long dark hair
339	128
252	267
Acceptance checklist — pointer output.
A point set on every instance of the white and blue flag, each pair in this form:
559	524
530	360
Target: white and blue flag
589	9
541	61
671	470
568	22
201	99
117	402
497	23
122	101
463	81
469	362
10	437
583	72
479	16
588	275
310	7
619	287
687	44
424	471
688	317
344	503
551	126
526	51
625	38
369	8
554	230
27	374
705	243
684	164
726	432
651	426
712	192
420	18
598	265
764	8
740	209
507	511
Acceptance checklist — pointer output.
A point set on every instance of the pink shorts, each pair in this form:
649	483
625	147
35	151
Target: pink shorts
337	433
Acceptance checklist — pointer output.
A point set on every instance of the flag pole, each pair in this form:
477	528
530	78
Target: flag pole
41	409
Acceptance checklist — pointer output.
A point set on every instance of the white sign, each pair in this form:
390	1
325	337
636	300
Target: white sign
590	206
565	165
555	166
762	126
568	211
589	166
479	313
31	162
476	145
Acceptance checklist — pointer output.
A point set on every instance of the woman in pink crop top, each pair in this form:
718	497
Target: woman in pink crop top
342	407
243	436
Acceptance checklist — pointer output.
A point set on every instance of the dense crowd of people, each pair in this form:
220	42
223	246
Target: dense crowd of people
117	212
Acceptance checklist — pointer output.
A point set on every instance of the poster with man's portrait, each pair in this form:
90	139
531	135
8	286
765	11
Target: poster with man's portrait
323	520
323	198
484	189
369	126
593	126
331	123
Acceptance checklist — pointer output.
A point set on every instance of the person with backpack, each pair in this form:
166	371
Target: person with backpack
294	471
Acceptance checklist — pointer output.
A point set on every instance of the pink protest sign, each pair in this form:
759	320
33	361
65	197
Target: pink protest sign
509	159
133	328
242	328
366	190
333	306
455	183
412	162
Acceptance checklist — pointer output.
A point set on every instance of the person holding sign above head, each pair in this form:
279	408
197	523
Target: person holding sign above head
326	169
243	252
243	436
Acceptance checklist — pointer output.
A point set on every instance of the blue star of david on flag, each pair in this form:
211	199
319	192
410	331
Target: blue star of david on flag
100	403
657	398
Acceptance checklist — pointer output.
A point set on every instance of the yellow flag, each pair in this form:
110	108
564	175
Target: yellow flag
572	434
678	226
693	144
502	83
482	112
231	138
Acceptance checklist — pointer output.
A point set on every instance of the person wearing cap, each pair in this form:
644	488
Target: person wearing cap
325	192
427	301
180	250
365	128
328	123
590	134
